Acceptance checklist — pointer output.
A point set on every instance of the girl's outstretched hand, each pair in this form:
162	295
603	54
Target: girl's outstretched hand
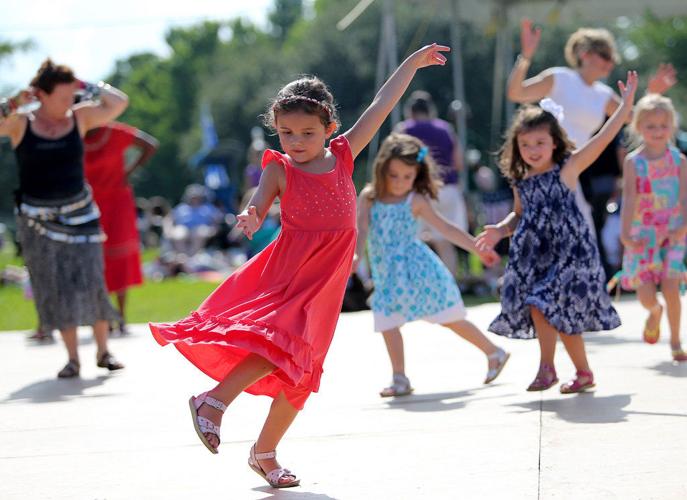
661	81
248	221
430	55
629	88
529	38
488	238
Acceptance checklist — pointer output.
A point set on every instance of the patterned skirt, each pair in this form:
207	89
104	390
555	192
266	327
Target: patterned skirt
62	248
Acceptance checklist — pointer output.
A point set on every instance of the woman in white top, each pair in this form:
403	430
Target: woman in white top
591	54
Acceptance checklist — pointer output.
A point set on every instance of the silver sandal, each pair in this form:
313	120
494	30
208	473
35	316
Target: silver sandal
501	357
273	477
400	386
201	424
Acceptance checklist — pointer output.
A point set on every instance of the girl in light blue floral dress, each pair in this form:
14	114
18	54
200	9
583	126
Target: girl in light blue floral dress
410	281
553	285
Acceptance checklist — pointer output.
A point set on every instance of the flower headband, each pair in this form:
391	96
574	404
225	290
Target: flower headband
421	154
301	98
552	107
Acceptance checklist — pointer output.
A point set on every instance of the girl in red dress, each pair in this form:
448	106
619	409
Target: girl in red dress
266	330
107	173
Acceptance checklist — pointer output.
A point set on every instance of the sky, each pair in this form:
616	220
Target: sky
90	36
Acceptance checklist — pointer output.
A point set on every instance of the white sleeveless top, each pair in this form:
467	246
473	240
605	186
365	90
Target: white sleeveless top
584	105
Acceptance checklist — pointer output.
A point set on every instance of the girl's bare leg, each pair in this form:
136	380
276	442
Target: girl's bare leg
474	335
546	335
646	294
70	342
394	346
671	294
574	344
279	419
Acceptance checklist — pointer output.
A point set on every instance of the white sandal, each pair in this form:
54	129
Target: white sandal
400	386
501	357
273	477
202	424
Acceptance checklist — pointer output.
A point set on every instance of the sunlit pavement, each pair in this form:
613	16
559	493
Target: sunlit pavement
129	435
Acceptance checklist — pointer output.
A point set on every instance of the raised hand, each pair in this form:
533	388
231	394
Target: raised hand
248	221
661	81
629	88
430	55
529	38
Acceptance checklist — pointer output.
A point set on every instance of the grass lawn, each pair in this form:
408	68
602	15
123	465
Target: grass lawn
166	300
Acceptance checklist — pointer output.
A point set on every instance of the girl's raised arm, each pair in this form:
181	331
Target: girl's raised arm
533	89
369	122
590	151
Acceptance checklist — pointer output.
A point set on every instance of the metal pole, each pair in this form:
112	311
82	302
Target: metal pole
458	83
379	80
499	76
392	50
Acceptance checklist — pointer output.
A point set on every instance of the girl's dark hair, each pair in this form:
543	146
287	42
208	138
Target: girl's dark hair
420	102
308	94
50	74
406	148
527	119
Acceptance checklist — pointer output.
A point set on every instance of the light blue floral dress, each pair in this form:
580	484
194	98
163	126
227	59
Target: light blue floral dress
410	281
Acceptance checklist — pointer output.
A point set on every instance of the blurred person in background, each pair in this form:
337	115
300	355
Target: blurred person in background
422	122
108	167
57	220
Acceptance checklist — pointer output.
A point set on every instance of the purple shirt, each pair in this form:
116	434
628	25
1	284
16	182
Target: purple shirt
438	136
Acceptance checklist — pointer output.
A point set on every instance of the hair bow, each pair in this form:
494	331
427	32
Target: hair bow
421	154
552	107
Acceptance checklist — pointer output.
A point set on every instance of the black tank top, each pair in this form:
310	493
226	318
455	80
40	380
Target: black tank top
50	169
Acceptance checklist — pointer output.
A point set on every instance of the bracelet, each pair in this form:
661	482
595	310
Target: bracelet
92	90
522	59
7	106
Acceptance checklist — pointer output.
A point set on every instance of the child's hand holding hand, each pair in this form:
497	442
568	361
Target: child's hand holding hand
248	221
488	238
429	55
488	257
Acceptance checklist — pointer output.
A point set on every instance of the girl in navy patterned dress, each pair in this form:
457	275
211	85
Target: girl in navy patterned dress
410	281
553	285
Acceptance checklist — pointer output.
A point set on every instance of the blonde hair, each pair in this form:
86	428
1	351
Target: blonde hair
597	40
648	104
406	148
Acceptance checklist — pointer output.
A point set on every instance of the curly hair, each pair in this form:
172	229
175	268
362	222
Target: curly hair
527	119
597	40
50	75
406	148
309	95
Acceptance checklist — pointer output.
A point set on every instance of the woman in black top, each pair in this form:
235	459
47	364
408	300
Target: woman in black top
57	221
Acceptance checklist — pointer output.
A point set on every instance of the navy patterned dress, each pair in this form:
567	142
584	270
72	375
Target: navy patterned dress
553	265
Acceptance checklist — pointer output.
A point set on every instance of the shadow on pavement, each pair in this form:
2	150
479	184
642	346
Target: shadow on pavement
671	369
291	494
55	390
587	408
603	338
441	401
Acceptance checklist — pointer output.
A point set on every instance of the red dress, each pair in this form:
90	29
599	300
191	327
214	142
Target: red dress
104	168
283	304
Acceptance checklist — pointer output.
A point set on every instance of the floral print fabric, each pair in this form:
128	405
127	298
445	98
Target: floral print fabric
553	265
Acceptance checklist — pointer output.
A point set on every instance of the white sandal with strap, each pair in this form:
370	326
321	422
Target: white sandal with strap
203	425
275	476
501	357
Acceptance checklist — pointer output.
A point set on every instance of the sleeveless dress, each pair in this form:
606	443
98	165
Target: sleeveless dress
105	172
553	265
410	281
657	212
284	303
